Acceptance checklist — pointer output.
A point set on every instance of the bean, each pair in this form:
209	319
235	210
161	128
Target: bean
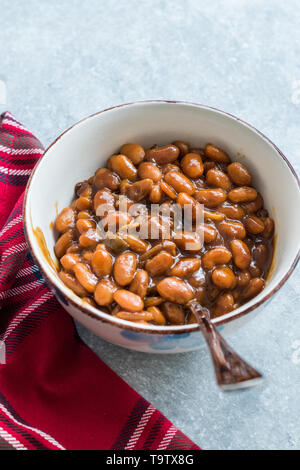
243	278
242	194
134	152
71	282
173	312
104	201
73	248
124	167
162	155
185	266
149	170
139	190
159	264
83	189
169	167
157	316
215	256
216	154
269	228
210	197
254	287
63	243
208	165
139	285
241	254
232	211
65	220
155	195
232	229
189	203
168	190
105	178
254	270
218	179
83	203
102	262
165	245
254	224
255	205
207	232
179	182
153	301
213	215
260	255
104	292
84	215
192	165
128	300
89	301
124	268
135	316
183	147
224	304
239	174
88	255
85	276
89	238
188	241
224	278
175	290
82	225
69	260
115	220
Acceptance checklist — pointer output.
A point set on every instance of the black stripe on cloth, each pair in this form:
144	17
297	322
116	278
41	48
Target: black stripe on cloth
14	180
4	445
130	425
153	433
17	161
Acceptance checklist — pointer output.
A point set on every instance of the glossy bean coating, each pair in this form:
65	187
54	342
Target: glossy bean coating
188	203
255	205
123	166
124	268
188	241
135	316
224	278
63	243
83	203
104	292
104	201
134	152
243	278
82	225
218	179
85	276
185	266
65	220
216	256
192	165
162	155
139	190
173	312
254	287
260	256
231	229
224	304
210	197
69	260
128	300
105	178
254	224
149	170
180	182
216	154
139	285
159	264
168	190
207	232
183	147
242	194
157	317
102	263
241	254
89	238
135	243
71	282
239	174
269	228
232	211
175	290
155	195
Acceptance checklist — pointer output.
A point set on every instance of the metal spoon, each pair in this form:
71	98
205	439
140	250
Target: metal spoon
232	372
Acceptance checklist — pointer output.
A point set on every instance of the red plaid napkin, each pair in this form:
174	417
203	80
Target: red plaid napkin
55	393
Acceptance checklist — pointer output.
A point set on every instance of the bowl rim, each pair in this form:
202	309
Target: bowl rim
152	329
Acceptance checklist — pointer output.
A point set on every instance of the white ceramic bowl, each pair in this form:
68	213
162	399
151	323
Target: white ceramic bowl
83	148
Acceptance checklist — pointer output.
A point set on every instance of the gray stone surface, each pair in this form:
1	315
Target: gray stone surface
63	60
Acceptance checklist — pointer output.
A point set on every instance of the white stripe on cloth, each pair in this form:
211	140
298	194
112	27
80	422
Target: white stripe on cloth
27	271
24	313
10	224
11	440
168	437
20	151
14	249
140	427
38	431
10	171
20	289
14	124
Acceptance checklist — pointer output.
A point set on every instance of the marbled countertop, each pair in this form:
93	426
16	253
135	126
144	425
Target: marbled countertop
63	60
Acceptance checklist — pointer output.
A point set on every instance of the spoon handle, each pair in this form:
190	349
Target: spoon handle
232	372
